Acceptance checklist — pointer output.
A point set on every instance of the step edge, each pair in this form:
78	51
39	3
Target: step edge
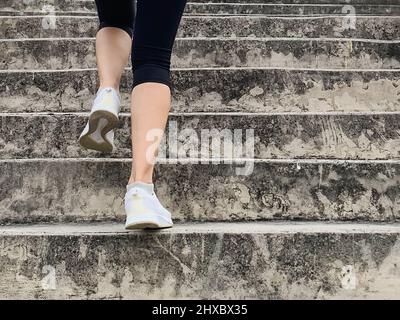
290	161
215	39
262	227
38	71
207	113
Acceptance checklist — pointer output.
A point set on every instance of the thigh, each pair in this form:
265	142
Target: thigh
157	22
120	13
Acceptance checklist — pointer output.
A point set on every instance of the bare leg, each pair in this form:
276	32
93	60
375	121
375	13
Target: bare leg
150	106
156	26
113	47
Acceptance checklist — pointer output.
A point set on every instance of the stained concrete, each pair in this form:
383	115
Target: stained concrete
234	259
213	262
93	190
294	53
214	90
88	8
288	9
67	4
302	136
256	26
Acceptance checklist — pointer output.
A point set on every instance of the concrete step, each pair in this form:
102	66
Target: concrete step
16	5
273	136
72	190
215	90
12	7
299	9
89	5
270	9
201	261
56	54
365	27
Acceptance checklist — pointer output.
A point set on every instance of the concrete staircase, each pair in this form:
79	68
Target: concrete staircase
316	218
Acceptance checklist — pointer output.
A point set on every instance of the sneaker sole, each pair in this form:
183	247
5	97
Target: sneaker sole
100	123
147	221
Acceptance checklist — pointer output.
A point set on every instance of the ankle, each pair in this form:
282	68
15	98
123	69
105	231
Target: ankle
144	175
115	86
142	180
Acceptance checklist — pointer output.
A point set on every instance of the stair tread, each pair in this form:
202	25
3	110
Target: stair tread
214	89
366	26
93	190
275	135
218	261
202	52
261	227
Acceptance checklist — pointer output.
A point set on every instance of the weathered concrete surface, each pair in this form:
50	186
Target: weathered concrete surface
93	190
235	260
274	52
288	9
338	136
64	5
88	4
303	261
88	8
383	28
215	90
368	27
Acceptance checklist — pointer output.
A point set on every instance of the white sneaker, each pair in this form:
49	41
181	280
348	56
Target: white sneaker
143	209
99	131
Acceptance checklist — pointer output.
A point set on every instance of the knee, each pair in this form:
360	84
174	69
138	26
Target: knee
125	27
151	64
117	14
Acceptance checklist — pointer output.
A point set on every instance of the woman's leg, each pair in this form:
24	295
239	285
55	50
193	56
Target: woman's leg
150	108
113	47
114	39
156	26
